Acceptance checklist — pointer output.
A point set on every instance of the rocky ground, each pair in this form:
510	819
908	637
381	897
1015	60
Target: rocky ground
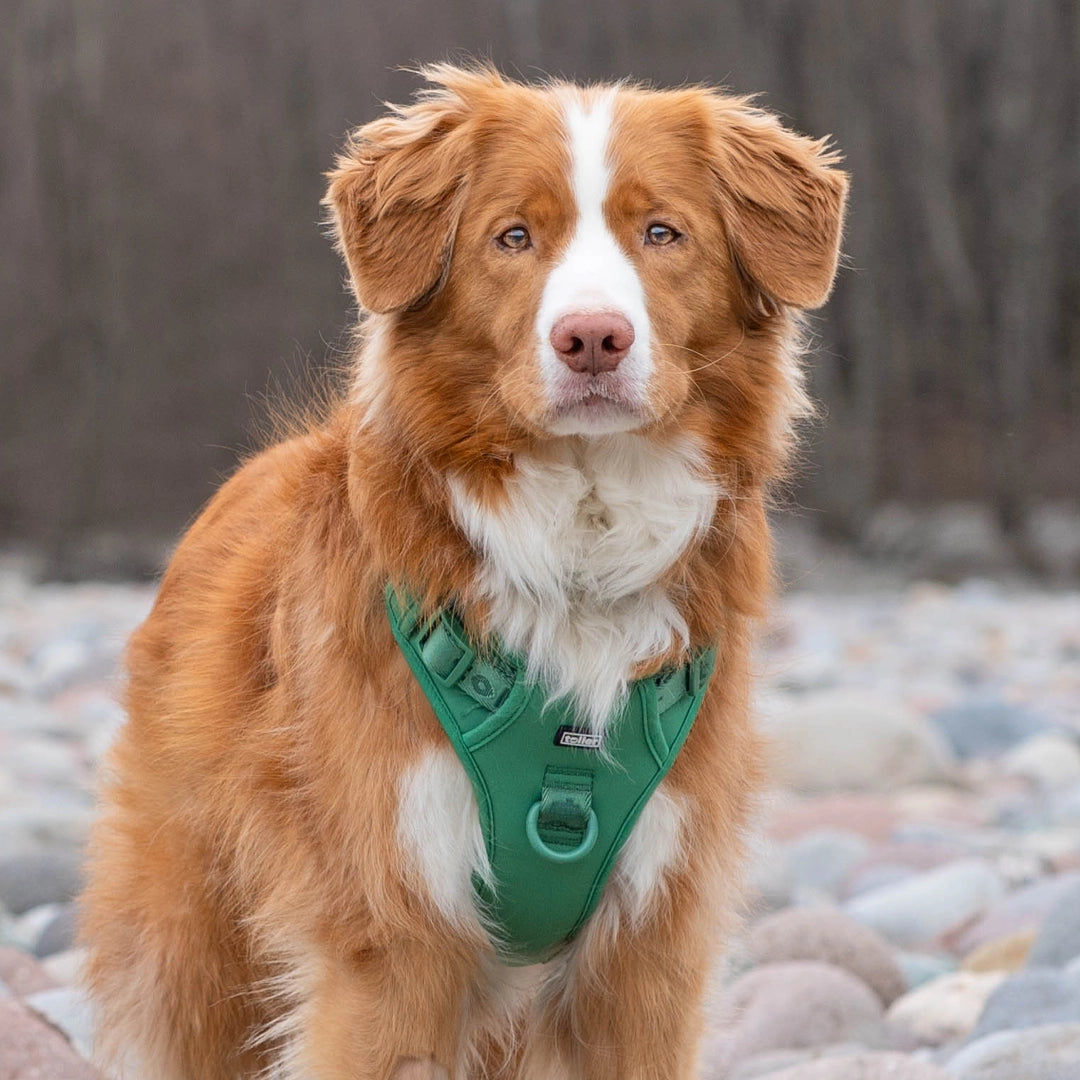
916	887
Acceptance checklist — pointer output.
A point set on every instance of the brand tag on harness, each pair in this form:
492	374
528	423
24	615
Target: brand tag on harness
578	739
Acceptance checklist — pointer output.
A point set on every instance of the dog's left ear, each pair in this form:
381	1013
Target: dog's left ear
396	194
782	201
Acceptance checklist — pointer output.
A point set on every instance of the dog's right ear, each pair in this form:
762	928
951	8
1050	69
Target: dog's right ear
396	193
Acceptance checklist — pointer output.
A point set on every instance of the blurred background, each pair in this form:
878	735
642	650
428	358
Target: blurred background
915	884
163	266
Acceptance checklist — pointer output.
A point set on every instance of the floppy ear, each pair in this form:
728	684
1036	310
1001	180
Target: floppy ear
395	197
782	201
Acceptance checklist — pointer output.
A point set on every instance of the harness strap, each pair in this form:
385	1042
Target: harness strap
556	803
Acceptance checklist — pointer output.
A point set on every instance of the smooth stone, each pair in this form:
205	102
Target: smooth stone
981	728
1031	998
1051	1052
853	741
769	1063
22	717
57	828
826	935
35	878
920	968
69	1009
770	878
822	858
924	907
1059	936
1050	759
22	974
42	760
65	968
31	1049
1007	953
868	815
945	1009
792	1006
29	926
915	854
1024	909
876	877
58	934
863	1066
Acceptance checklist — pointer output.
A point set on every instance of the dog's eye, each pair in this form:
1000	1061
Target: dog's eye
658	235
516	238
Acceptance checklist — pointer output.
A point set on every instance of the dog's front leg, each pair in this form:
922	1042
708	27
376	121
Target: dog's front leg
629	1006
392	1013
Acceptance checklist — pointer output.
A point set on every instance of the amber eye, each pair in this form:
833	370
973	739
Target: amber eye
658	235
516	238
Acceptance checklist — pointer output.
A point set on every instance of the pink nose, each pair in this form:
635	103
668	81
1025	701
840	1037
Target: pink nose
593	341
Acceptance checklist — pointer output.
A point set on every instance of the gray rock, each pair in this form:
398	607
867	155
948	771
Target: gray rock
1023	909
1031	998
35	878
30	924
58	934
62	825
822	859
919	968
876	877
1050	759
826	935
855	741
1059	938
768	1064
69	1009
862	1066
1039	1053
923	907
982	728
770	880
791	1006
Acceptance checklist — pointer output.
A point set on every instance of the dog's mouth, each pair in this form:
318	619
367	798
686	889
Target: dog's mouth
596	405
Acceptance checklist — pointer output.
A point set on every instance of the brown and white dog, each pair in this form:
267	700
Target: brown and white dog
576	383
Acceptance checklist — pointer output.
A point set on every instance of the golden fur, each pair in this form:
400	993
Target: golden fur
250	906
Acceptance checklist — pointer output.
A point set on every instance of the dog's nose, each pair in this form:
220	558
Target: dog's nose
593	341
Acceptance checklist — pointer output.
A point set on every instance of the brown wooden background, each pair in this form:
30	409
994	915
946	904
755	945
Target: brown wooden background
161	263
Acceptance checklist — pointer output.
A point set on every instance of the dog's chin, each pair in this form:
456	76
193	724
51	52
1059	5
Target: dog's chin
599	410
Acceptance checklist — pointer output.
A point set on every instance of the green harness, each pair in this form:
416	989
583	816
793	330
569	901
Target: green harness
555	806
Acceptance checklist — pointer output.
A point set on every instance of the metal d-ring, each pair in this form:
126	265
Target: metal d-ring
592	830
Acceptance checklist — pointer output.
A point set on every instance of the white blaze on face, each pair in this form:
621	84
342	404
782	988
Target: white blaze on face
593	275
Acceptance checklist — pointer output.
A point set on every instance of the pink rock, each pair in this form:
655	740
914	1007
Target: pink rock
868	1066
917	854
21	973
1024	909
31	1050
866	815
827	935
791	1005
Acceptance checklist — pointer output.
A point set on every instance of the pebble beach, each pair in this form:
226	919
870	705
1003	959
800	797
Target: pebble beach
914	901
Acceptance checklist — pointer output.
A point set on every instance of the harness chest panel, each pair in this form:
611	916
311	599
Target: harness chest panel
555	806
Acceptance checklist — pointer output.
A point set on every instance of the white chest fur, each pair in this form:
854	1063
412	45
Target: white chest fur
572	559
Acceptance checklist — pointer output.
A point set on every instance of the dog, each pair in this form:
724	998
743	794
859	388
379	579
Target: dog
577	380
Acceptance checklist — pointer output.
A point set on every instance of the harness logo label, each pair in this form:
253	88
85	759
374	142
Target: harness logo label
578	739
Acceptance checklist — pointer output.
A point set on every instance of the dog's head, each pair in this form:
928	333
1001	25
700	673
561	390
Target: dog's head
561	260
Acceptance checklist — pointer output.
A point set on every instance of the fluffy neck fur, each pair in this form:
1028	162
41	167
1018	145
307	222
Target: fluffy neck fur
596	559
575	553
